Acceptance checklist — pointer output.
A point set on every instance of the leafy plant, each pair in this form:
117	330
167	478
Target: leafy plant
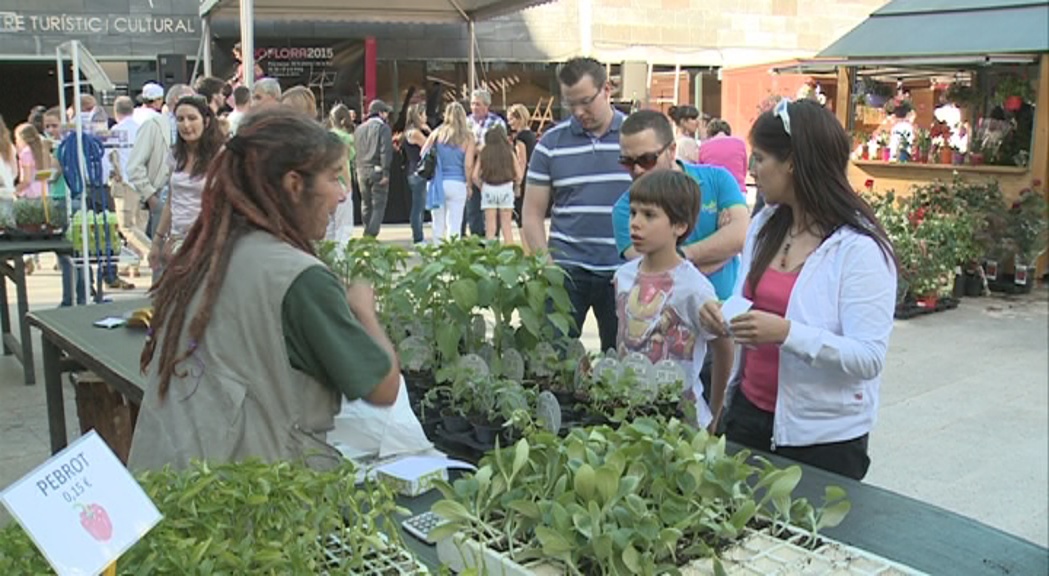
1026	224
645	498
29	213
247	518
1010	85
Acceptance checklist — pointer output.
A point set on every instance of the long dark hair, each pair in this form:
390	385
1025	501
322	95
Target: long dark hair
497	157
819	149
243	192
210	140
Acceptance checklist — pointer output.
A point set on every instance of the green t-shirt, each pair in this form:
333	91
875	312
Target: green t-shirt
57	188
324	338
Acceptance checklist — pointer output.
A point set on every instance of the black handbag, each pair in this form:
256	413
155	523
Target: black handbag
428	164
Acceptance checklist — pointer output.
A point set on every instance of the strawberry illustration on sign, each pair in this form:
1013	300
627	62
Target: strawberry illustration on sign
96	521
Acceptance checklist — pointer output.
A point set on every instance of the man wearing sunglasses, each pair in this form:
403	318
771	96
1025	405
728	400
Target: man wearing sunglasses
576	167
647	142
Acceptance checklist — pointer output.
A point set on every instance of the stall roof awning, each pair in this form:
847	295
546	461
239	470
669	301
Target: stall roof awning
948	27
413	11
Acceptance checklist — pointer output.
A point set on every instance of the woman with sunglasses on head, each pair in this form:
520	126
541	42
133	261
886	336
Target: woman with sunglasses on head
687	122
821	273
199	139
254	339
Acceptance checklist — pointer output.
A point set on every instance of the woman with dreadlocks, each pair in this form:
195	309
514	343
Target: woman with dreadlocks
253	339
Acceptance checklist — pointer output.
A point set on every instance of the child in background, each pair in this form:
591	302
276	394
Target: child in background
659	296
495	174
32	157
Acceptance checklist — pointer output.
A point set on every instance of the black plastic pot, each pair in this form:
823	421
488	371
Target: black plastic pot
564	397
419	383
486	433
973	284
454	423
959	286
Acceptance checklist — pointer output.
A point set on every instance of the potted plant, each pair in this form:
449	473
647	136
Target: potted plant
254	518
923	145
30	216
939	137
871	93
652	496
1011	91
883	146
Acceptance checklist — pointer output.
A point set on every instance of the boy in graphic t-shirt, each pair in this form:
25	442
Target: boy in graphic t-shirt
658	296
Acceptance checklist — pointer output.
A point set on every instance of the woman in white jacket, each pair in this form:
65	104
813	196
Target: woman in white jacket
821	273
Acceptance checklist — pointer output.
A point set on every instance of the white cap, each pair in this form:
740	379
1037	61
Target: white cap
152	91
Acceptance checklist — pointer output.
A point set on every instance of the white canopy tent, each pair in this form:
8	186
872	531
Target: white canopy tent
412	11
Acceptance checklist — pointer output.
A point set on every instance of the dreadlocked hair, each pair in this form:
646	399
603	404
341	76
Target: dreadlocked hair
243	192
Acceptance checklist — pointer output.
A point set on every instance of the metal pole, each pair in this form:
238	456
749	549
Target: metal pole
247	41
82	162
205	30
677	83
61	74
472	75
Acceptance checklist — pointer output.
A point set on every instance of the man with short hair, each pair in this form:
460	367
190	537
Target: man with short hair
114	168
647	143
241	101
267	92
152	102
481	120
213	90
576	165
374	142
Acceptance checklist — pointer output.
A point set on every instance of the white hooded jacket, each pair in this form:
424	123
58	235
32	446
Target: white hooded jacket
841	315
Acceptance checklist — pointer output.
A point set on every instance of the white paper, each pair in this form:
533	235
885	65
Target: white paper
362	429
82	508
414	467
735	306
110	322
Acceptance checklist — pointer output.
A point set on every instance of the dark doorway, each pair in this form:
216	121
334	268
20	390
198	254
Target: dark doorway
37	85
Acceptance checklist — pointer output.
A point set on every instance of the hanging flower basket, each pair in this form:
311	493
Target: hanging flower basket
1013	103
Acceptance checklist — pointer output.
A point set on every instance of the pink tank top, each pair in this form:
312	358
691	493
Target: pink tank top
761	367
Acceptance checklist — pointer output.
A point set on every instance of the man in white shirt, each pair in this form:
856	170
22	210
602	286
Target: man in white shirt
241	102
121	139
152	100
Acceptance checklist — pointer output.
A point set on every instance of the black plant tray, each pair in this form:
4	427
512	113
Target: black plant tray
19	235
1006	284
910	309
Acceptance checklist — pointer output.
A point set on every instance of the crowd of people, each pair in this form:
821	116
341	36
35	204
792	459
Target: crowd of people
255	341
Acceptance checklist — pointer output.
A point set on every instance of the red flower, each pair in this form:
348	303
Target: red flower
917	217
1036	183
96	521
869	184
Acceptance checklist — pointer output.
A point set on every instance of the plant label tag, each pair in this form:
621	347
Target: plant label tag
1020	278
990	270
82	507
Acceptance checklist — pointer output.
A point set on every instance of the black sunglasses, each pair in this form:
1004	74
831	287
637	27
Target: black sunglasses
646	161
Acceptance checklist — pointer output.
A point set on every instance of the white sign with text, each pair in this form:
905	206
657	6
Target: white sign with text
82	508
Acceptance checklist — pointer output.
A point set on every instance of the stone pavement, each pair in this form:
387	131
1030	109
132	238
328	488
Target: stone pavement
964	419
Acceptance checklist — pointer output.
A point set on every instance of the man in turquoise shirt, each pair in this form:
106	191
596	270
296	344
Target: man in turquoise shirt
647	143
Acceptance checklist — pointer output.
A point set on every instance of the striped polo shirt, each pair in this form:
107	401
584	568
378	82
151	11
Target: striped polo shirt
585	180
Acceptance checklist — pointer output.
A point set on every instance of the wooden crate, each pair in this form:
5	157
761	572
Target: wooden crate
105	410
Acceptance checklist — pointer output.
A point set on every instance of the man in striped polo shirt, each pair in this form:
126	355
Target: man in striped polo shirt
576	165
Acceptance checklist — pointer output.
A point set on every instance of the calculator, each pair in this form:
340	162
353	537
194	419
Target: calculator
421	525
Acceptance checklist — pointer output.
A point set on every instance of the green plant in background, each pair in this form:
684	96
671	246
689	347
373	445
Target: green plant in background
962	95
57	214
247	518
29	213
644	498
1010	85
1026	224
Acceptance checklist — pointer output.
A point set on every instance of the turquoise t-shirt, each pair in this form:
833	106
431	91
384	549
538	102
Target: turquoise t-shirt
720	192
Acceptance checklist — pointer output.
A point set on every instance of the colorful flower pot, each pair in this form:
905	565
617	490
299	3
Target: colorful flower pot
866	153
946	154
875	101
885	154
1013	103
905	156
957	158
928	302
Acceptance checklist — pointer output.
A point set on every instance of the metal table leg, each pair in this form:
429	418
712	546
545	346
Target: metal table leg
23	324
56	407
5	313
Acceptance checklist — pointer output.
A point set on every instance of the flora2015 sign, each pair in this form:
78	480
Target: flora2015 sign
82	508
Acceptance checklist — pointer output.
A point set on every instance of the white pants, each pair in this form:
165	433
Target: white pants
340	226
448	219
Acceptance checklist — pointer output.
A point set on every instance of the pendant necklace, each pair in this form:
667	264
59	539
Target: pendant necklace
786	249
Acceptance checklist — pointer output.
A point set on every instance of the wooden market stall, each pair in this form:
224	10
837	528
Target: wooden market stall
930	91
